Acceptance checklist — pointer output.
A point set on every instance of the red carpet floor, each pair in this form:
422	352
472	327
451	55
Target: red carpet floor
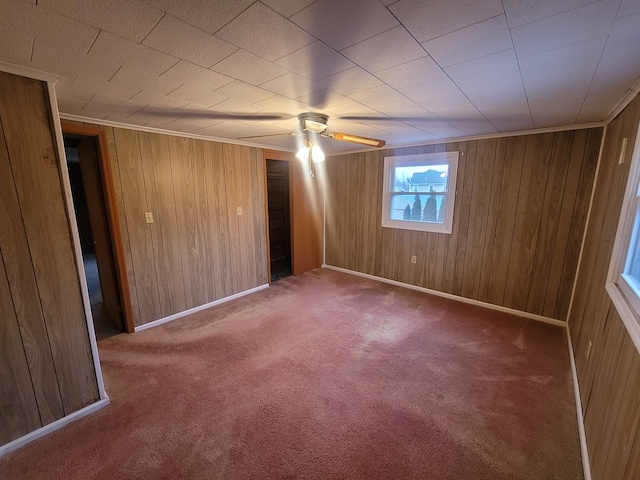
326	376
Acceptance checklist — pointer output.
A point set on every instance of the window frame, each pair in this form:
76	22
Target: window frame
425	159
620	287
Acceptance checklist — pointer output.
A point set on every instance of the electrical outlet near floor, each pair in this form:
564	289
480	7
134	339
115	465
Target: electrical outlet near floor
413	259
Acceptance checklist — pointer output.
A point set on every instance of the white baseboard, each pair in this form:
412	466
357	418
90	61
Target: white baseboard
470	301
586	465
175	316
47	429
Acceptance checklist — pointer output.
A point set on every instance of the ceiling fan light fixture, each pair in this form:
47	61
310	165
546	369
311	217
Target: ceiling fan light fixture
317	155
303	154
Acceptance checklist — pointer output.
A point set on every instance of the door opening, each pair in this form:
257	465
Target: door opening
278	198
95	239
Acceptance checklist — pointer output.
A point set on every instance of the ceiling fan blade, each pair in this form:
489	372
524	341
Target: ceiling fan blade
267	135
204	113
347	137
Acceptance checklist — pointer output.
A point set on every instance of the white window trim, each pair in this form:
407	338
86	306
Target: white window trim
626	301
423	159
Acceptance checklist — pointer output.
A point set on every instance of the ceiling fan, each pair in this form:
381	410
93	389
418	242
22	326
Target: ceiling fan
316	124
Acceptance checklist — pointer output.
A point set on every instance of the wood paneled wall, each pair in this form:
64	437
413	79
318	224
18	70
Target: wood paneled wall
519	218
609	377
198	249
46	364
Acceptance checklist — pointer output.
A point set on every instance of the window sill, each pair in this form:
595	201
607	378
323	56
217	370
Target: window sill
626	313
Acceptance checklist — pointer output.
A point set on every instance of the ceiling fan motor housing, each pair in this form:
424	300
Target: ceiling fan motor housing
313	122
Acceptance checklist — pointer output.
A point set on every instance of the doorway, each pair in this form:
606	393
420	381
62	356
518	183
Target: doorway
89	203
278	199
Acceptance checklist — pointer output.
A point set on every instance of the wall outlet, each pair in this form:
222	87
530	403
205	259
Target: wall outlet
413	259
239	211
148	217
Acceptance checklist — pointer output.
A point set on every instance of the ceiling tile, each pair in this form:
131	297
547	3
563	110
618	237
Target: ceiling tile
194	75
475	41
520	12
561	74
97	85
493	79
131	19
324	99
555	114
102	106
264	32
315	61
204	14
185	41
245	92
619	67
437	95
290	85
386	100
199	95
17	46
350	81
509	117
150	82
341	24
281	106
468	120
411	73
70	107
385	50
437	127
427	20
160	101
110	50
629	7
249	68
287	8
352	108
57	44
75	94
574	26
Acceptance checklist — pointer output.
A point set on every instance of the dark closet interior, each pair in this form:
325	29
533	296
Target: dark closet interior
279	218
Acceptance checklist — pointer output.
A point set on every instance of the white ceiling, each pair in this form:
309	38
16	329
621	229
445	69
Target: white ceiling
420	70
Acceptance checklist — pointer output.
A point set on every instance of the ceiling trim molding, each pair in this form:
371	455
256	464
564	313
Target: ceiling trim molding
533	131
142	128
28	72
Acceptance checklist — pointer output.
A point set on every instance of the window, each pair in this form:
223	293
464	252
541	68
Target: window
419	192
623	282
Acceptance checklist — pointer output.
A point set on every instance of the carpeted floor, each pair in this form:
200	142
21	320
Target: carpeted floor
326	376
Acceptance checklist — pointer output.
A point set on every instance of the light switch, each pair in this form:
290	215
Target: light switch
148	217
239	210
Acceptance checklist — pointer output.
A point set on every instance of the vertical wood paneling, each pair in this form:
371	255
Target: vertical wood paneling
480	196
508	229
528	216
150	190
132	180
170	280
18	405
198	249
609	377
36	175
548	225
45	356
19	269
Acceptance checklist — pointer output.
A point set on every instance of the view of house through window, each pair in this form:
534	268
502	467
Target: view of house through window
418	192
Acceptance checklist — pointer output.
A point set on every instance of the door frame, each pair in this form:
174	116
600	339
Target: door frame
305	201
98	134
